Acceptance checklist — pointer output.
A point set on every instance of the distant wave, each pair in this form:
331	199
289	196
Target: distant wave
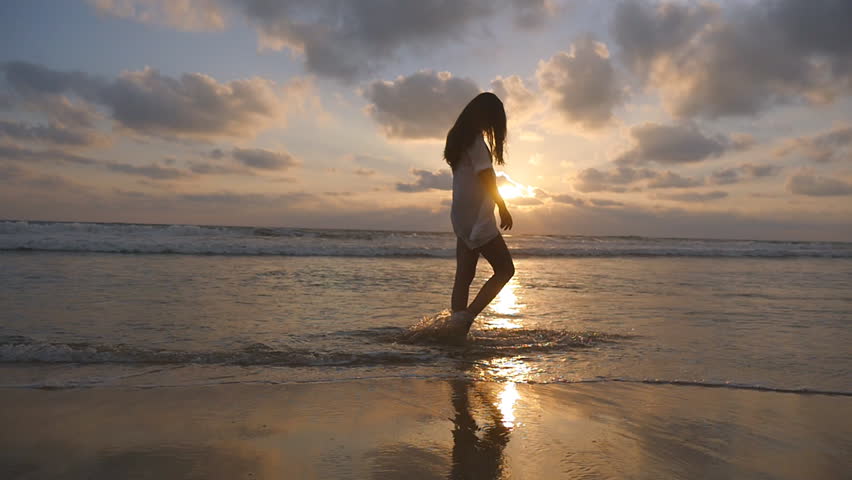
217	240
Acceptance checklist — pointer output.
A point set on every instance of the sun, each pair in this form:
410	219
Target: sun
510	189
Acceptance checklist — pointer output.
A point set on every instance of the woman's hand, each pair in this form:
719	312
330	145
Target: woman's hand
505	219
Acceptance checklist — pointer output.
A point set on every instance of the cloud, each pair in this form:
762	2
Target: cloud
187	15
742	173
364	172
206	168
602	202
817	186
519	100
426	180
622	178
152	171
524	201
346	39
674	144
830	146
581	84
18	154
614	180
9	153
59	109
193	105
13	175
694	197
238	198
740	60
264	159
670	179
532	14
420	106
51	134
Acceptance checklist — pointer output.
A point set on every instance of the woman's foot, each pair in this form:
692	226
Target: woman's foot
459	324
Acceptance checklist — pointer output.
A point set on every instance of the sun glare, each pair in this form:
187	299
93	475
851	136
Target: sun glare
511	189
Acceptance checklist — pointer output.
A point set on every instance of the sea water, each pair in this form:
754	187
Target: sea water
99	305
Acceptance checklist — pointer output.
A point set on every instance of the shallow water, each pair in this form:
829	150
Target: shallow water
99	319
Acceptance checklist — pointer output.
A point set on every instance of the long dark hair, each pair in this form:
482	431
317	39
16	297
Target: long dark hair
483	115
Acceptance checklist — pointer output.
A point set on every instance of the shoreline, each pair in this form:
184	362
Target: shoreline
388	428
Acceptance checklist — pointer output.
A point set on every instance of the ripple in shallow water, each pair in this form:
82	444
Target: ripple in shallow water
434	330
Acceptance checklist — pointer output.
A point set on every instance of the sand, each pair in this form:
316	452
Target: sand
422	429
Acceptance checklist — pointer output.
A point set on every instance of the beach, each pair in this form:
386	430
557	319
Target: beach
422	429
144	351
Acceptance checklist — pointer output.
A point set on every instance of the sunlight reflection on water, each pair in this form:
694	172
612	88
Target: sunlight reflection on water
508	397
506	304
508	369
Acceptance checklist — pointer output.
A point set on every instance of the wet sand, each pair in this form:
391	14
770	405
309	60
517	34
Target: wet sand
420	429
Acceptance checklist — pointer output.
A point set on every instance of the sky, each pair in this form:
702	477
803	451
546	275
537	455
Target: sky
726	119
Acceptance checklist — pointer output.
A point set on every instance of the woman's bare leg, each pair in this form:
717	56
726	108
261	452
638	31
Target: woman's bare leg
497	254
466	260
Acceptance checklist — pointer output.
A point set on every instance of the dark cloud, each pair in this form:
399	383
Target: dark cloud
207	168
347	39
670	179
154	172
568	200
18	154
193	105
614	180
742	173
602	202
422	105
532	14
817	186
582	84
426	180
673	144
830	146
14	175
623	178
342	39
739	60
59	109
694	197
264	159
52	134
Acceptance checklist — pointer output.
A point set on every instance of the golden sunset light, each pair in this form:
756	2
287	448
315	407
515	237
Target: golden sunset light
439	239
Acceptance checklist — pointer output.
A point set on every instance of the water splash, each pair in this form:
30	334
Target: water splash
433	329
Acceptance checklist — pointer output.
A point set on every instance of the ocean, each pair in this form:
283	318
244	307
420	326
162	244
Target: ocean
97	305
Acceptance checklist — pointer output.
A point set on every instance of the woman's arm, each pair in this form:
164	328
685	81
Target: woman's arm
489	180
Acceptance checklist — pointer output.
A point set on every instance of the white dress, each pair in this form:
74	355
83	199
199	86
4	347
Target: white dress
472	212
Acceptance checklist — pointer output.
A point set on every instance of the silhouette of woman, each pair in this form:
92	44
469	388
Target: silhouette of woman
475	194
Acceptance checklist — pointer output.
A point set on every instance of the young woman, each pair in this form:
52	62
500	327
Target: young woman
474	196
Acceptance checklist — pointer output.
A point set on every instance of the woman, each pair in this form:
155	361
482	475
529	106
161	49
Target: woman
474	196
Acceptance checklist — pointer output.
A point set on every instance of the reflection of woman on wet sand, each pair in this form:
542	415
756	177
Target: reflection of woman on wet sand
475	457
